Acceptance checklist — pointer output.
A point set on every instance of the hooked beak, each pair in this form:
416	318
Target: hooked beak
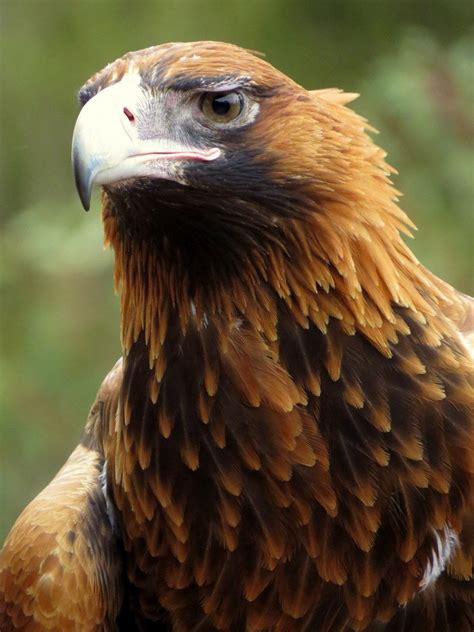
106	147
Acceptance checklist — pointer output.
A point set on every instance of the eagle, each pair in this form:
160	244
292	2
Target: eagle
286	444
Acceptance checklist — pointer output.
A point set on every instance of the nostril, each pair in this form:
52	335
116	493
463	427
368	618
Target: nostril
128	114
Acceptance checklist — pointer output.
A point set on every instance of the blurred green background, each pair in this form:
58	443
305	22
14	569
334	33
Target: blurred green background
410	60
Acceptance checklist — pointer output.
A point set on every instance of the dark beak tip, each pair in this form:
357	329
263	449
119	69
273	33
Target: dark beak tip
83	185
84	194
85	203
82	177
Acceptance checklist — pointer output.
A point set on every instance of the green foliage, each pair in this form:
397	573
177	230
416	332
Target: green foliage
59	313
420	98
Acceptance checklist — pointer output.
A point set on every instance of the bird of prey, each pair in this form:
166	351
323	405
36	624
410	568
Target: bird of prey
287	443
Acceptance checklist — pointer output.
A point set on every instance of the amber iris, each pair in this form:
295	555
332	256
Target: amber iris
222	107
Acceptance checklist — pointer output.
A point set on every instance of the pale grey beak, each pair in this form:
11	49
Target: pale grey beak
103	136
106	147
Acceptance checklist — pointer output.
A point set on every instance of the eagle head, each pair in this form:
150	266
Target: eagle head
203	115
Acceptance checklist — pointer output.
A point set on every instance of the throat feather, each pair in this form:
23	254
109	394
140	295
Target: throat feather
361	283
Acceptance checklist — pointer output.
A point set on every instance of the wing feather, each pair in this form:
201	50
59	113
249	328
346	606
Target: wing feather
61	567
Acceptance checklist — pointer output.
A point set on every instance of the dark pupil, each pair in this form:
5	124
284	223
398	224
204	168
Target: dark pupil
221	105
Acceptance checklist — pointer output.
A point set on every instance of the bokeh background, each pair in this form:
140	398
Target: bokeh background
412	62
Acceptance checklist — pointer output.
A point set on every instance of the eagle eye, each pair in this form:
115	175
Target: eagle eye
222	107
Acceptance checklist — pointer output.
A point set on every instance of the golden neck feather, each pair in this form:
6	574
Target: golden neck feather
343	258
